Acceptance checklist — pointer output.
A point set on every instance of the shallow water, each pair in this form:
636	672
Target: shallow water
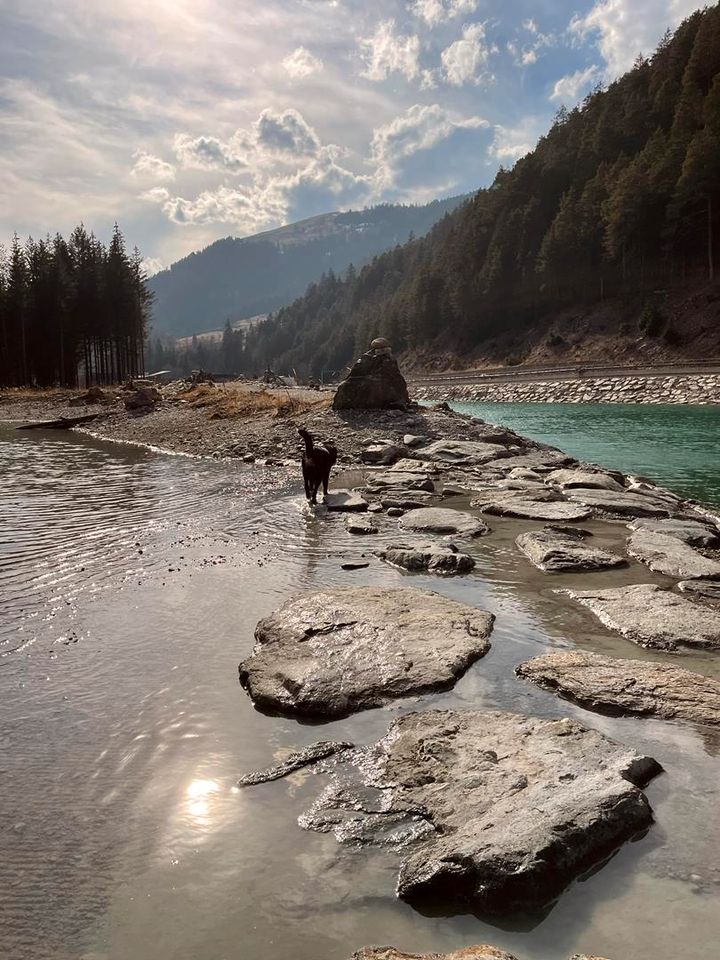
677	446
123	730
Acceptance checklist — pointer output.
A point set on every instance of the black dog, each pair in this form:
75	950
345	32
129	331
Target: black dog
316	465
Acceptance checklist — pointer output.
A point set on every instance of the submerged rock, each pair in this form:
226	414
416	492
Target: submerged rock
361	525
303	758
639	687
554	550
444	520
667	554
346	501
330	653
514	808
481	951
652	617
435	558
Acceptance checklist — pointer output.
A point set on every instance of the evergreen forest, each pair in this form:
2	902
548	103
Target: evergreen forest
71	312
620	198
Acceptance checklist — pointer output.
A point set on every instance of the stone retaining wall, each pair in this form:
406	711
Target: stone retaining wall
695	389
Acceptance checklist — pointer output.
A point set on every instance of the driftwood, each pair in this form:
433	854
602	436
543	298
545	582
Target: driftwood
62	423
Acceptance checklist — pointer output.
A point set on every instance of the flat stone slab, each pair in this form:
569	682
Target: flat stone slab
627	687
444	520
302	758
503	811
360	524
510	506
330	653
696	533
431	557
652	617
707	588
482	951
666	554
555	551
567	479
624	503
346	501
468	452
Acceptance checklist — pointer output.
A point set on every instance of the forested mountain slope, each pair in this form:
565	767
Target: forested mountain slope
619	203
234	278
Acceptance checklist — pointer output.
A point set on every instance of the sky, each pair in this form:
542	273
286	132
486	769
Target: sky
190	120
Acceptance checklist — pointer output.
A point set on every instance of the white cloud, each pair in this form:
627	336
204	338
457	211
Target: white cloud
419	129
462	60
152	265
207	153
387	52
568	88
149	167
434	12
301	63
625	28
511	143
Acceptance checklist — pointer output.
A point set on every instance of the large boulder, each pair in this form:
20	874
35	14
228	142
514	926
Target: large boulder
374	382
628	687
144	398
500	812
331	653
696	533
652	617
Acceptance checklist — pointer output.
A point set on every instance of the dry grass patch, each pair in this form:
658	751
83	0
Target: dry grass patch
241	402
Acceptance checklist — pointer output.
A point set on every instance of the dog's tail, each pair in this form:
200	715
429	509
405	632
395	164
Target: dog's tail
332	450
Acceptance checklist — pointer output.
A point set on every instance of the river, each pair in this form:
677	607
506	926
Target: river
131	582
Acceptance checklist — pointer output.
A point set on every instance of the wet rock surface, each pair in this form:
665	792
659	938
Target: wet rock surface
625	502
504	810
526	508
696	533
481	951
346	501
444	520
633	687
434	558
330	653
706	588
302	758
567	479
667	554
558	549
652	617
360	524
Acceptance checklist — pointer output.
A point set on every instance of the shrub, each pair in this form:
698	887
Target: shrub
651	322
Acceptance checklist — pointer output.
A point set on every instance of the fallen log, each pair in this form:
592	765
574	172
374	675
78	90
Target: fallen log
62	423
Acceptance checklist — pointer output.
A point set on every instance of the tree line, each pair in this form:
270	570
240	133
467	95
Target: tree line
72	311
619	199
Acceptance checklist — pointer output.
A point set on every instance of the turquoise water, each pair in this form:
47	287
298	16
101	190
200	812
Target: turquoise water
676	446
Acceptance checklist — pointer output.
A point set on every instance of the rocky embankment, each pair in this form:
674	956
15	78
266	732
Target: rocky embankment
695	389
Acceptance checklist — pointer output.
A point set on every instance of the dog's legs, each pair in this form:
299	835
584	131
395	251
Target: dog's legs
307	483
326	477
